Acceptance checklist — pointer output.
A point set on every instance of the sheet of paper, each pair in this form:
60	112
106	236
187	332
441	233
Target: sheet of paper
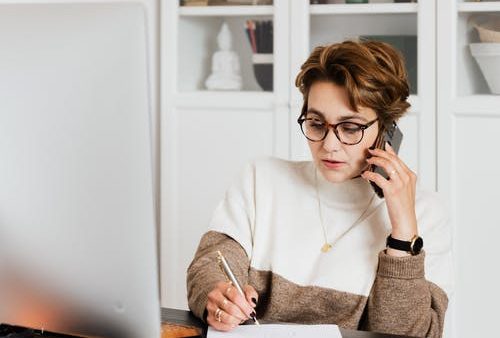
278	330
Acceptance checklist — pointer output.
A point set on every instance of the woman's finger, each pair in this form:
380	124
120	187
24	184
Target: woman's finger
377	179
381	153
251	295
390	149
408	174
389	167
237	298
395	161
391	156
232	309
395	168
217	298
220	326
220	315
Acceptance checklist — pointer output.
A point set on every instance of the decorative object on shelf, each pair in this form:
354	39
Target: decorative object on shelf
194	2
487	52
260	35
225	64
488	27
487	56
407	45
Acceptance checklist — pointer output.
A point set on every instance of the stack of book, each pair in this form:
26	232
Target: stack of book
260	36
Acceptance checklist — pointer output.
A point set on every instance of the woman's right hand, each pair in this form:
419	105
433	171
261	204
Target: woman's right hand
227	308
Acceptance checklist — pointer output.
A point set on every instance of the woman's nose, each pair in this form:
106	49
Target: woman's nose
331	142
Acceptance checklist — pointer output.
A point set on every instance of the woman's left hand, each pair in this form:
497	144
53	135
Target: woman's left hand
399	192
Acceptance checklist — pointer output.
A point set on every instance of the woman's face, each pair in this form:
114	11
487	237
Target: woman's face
339	162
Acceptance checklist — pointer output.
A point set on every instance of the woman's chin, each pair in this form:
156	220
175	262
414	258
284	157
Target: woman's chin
334	175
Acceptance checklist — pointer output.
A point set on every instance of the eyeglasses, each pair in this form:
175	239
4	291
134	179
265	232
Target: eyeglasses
315	128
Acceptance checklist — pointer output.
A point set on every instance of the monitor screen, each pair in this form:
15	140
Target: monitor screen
77	224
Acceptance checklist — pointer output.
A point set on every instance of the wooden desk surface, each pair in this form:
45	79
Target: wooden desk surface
180	323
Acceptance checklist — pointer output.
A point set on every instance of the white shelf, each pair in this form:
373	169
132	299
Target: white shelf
484	105
226	10
363	8
225	100
471	7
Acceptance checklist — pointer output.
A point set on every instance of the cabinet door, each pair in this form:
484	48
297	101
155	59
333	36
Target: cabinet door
211	147
468	174
208	136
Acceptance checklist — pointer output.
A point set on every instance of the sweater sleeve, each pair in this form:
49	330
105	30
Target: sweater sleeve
403	302
204	272
410	294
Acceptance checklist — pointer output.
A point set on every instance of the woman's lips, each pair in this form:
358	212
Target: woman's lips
332	164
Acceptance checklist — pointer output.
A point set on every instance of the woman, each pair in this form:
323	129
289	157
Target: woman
310	240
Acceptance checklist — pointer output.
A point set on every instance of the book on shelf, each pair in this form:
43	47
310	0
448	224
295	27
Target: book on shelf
225	2
260	36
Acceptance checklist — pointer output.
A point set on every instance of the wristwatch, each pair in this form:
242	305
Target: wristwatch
413	247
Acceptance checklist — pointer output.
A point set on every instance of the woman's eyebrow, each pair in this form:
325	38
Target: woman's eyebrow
315	111
348	117
341	118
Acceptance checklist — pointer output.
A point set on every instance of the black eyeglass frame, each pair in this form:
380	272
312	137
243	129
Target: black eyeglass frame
334	127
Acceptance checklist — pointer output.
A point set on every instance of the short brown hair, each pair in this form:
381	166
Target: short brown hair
372	72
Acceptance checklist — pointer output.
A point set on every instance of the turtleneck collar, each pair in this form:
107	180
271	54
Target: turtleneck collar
355	192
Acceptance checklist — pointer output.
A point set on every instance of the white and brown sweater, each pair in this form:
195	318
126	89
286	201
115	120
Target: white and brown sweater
269	229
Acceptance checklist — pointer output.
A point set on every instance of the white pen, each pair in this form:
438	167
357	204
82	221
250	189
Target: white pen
229	273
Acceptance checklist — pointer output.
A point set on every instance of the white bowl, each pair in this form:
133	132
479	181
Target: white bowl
487	56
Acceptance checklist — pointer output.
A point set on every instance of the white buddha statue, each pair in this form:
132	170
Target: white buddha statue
225	64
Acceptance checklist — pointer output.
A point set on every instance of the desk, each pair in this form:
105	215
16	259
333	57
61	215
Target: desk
180	323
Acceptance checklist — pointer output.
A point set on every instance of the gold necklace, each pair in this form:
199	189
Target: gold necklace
327	246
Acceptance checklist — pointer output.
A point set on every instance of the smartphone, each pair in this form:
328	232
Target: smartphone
394	137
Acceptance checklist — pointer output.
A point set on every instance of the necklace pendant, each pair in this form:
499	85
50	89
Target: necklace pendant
326	247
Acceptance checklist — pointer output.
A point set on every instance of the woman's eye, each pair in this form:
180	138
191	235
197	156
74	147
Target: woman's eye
351	129
316	125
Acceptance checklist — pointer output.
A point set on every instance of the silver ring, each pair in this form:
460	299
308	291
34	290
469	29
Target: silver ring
218	315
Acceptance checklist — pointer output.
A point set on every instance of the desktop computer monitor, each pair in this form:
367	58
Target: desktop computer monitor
77	224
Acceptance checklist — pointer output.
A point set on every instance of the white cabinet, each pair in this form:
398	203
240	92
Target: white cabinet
208	136
468	174
450	132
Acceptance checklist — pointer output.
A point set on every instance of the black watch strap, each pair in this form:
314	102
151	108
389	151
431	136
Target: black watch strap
414	246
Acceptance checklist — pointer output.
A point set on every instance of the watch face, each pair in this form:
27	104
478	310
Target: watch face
417	245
